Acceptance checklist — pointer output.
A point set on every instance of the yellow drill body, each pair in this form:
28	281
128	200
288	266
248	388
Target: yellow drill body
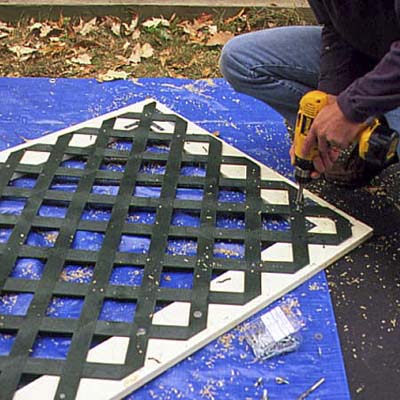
377	143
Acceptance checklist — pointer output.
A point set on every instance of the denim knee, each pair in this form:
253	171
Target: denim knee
233	70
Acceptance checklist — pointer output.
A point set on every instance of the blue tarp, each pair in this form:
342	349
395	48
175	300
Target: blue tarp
225	368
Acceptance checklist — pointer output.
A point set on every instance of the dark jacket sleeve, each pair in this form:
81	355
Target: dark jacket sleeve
340	63
376	92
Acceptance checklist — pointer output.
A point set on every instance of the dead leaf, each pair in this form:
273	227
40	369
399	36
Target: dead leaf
135	58
126	46
139	52
112	75
3	35
44	29
147	51
219	39
155	22
213	29
82	59
135	35
5	28
36	25
206	71
87	27
21	51
116	28
129	29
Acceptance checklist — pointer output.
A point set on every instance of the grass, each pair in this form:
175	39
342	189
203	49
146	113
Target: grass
179	47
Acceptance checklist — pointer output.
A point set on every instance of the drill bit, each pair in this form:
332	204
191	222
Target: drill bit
299	196
311	389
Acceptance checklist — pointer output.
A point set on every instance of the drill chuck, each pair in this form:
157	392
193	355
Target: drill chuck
302	171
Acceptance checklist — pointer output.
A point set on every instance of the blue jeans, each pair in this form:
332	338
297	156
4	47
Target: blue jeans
278	66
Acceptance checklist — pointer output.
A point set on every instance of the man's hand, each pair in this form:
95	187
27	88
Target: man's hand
333	132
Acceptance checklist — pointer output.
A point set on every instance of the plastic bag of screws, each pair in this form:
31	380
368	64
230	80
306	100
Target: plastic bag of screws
277	331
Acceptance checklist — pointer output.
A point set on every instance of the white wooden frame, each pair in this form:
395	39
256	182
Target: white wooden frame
221	318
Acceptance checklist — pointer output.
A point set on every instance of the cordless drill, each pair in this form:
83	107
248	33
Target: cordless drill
377	143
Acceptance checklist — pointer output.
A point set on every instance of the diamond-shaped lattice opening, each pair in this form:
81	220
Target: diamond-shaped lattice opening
234	171
82	140
147	191
229	220
87	240
176	278
141	215
120	145
40	237
229	249
272	222
26	181
231	195
96	212
158	146
113	164
118	311
134	244
117	356
7	338
323	225
126	275
153	167
5	233
77	273
74	163
65	183
65	307
189	193
125	124
193	169
278	252
34	157
163	126
275	196
186	218
53	209
231	281
199	148
15	303
12	205
171	314
182	247
28	268
51	345
108	187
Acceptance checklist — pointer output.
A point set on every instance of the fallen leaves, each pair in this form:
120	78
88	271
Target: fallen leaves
131	28
82	59
138	53
5	30
85	28
111	48
154	23
112	75
116	28
22	51
219	38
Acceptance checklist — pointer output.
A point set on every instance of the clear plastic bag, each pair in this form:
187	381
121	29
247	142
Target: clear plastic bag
277	331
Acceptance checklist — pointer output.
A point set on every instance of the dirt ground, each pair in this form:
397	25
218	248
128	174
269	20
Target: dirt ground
108	48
